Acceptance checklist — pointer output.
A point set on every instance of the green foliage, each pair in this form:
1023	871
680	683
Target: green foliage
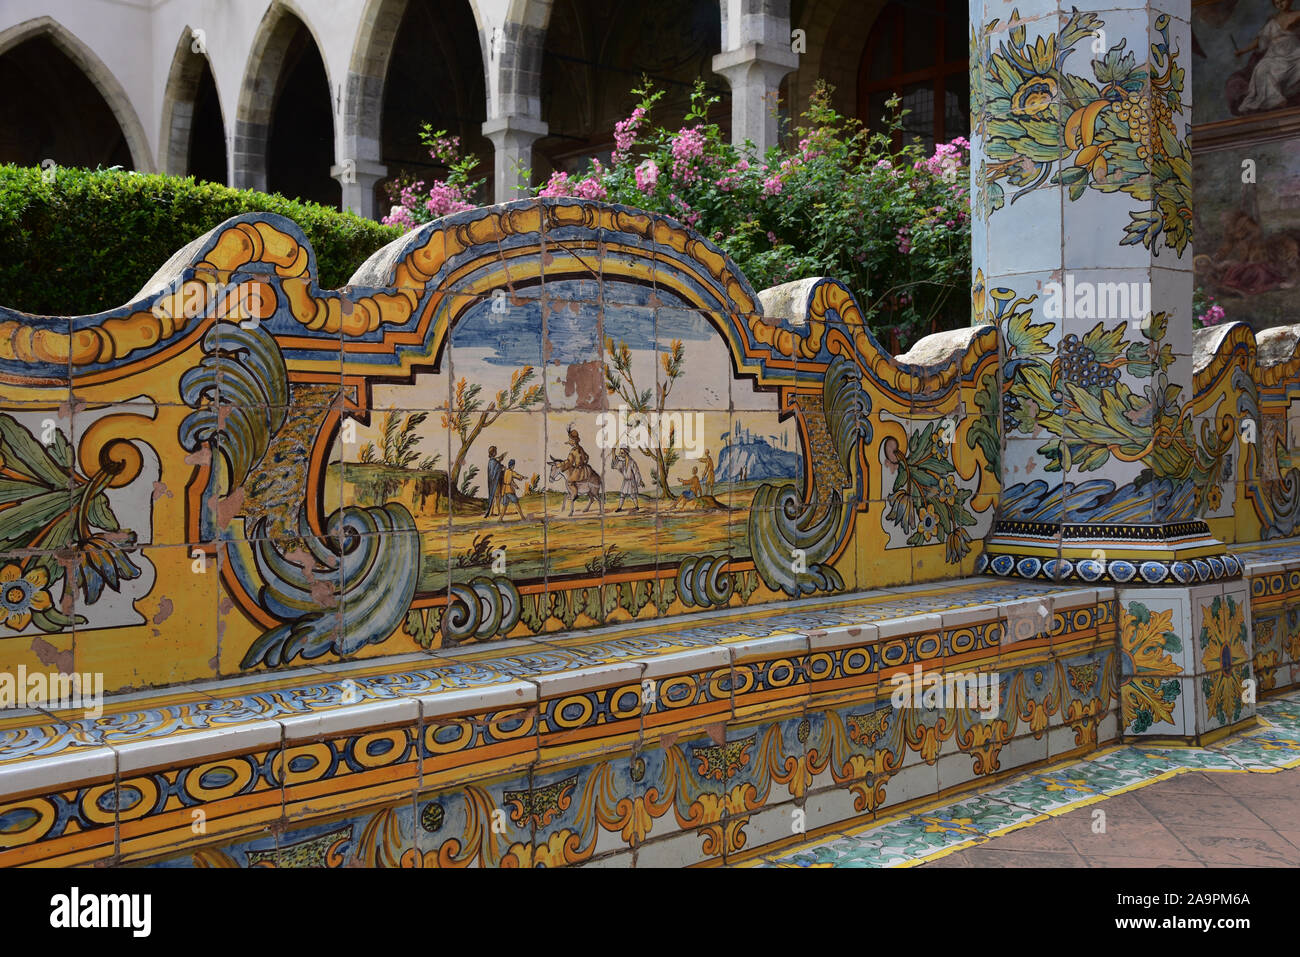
842	201
610	560
89	240
891	222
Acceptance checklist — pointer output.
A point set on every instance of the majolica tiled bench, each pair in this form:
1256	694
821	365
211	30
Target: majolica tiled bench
676	746
1273	570
322	548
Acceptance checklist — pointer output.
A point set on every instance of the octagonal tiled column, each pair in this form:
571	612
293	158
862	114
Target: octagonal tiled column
1082	208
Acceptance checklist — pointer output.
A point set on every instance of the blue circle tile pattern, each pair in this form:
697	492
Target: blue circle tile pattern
1115	571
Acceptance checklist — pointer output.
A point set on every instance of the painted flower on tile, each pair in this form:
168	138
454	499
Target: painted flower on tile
926	501
1119	133
928	522
1223	655
22	594
1151	687
1034	95
48	504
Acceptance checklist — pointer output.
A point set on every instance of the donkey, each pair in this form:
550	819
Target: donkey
589	487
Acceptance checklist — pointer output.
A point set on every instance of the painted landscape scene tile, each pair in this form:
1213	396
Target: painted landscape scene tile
643	462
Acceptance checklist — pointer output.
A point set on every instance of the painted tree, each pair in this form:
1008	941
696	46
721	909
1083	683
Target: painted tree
468	418
619	382
399	439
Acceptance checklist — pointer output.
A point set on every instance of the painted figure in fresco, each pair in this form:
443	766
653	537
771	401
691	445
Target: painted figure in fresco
494	470
579	477
631	479
1249	262
509	494
709	477
1276	76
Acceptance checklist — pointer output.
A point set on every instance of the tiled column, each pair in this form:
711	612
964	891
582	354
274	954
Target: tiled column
756	54
1082	207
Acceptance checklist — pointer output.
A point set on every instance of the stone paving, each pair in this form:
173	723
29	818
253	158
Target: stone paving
1235	803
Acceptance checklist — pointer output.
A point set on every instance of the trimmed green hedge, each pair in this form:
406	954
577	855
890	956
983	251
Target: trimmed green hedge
90	239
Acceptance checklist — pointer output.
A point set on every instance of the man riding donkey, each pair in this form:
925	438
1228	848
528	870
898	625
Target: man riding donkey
579	477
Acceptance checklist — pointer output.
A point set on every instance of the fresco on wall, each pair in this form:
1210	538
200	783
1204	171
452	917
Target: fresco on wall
1248	58
1248	256
1246	84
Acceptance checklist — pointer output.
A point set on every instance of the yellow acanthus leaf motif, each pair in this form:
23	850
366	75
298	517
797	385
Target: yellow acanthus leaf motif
635	818
1082	717
928	743
984	742
1037	714
927	738
1224	646
1266	663
560	848
1144	641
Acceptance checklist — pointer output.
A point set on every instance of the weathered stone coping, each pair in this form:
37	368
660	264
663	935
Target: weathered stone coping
1268	558
43	751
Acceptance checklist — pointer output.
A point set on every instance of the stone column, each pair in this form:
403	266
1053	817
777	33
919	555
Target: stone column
358	178
513	138
1082	244
755	56
512	62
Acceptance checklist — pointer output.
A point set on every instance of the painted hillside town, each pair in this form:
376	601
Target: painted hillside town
707	433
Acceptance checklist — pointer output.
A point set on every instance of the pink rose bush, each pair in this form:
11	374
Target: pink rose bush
414	203
890	219
1205	310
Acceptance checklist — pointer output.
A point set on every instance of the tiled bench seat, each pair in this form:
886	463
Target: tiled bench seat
789	704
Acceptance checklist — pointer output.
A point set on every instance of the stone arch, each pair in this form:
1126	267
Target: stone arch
185	80
94	69
413	61
516	88
363	94
837	33
594	54
278	34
